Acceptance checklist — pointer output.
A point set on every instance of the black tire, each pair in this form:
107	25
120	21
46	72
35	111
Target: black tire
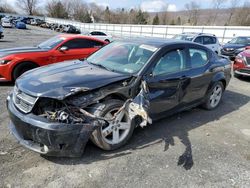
207	103
22	68
102	109
107	40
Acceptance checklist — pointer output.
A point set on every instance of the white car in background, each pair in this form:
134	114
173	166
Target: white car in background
208	40
6	23
100	35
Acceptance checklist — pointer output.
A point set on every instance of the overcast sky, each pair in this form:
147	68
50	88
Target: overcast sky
146	5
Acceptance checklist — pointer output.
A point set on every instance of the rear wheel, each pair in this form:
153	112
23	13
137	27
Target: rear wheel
22	68
214	95
107	40
118	132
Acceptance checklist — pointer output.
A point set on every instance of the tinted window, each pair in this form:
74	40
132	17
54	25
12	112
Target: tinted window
98	33
198	57
198	40
171	62
240	40
209	40
51	43
82	43
124	57
184	37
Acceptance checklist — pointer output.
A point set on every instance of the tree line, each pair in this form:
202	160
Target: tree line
238	13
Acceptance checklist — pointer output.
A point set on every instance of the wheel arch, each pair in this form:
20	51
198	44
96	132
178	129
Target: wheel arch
117	96
21	63
218	77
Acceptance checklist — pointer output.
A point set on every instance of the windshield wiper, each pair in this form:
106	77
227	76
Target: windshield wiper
101	66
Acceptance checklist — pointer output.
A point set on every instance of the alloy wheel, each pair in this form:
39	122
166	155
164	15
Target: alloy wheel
118	129
216	96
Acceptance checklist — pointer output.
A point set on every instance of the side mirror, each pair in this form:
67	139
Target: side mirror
63	48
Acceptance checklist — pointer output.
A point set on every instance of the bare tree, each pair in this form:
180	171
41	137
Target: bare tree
243	15
193	10
96	12
107	15
131	16
78	10
232	10
217	5
164	16
29	6
121	16
6	8
56	9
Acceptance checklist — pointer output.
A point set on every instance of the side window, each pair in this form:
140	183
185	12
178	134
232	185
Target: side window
93	33
101	33
82	43
209	40
198	40
198	57
172	62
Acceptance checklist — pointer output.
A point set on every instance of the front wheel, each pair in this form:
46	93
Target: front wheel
22	68
213	97
118	132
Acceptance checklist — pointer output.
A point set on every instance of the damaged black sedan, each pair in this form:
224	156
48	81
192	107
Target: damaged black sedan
56	109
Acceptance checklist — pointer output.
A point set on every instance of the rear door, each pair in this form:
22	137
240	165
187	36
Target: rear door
165	83
199	74
76	49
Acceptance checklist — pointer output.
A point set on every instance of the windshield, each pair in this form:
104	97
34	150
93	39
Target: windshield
184	37
51	43
124	57
240	40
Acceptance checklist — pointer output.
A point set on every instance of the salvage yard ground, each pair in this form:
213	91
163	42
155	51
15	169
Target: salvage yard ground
195	148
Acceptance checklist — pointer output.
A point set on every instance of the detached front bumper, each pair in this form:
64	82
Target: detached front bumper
52	139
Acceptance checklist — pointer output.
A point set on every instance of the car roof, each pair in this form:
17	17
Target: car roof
197	34
68	36
97	31
156	42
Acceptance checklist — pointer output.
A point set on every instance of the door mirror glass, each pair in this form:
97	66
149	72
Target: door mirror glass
63	48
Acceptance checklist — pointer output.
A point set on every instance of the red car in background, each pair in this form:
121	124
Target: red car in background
241	65
15	61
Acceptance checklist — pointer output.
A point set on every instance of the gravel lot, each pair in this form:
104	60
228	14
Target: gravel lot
197	148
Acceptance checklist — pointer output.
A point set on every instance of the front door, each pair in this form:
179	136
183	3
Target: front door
166	82
76	49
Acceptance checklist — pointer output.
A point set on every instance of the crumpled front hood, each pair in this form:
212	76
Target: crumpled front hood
62	79
10	51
